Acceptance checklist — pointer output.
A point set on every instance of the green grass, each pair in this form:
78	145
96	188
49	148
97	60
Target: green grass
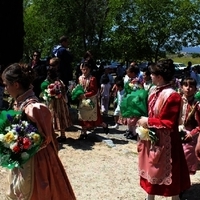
185	59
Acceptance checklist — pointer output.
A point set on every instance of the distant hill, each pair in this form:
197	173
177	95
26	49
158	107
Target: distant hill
191	49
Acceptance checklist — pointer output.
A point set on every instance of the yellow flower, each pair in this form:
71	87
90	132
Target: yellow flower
131	85
36	138
9	137
143	133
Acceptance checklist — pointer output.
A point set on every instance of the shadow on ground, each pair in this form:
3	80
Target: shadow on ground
193	193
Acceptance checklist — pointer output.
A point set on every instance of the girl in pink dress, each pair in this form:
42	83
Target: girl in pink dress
43	176
162	166
190	122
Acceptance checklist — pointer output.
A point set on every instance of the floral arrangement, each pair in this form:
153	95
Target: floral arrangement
51	90
129	87
146	134
19	139
87	103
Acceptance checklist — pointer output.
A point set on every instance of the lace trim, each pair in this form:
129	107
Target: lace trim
165	167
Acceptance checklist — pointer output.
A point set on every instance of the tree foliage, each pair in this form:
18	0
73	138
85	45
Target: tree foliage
112	29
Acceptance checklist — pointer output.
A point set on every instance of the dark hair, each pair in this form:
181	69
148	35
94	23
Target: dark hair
38	53
86	64
63	39
133	68
188	81
164	68
21	73
118	78
87	55
105	79
146	71
120	83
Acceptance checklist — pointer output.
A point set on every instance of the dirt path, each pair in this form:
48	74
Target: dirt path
99	172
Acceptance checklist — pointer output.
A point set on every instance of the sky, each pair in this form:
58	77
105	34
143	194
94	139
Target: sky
191	49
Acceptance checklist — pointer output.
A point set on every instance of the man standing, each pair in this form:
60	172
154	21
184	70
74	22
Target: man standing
40	69
65	69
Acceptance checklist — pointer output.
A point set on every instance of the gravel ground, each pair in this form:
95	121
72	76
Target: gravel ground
100	172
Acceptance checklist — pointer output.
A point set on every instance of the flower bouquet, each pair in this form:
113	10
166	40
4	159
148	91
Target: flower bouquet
88	103
130	87
51	90
134	104
19	139
77	91
146	134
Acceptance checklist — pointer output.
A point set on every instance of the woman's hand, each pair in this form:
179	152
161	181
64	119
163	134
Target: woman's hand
143	122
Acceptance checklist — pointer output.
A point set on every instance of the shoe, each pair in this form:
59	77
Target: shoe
61	139
83	136
106	129
116	126
127	133
131	137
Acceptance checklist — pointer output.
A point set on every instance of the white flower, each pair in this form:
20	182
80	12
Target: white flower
143	133
181	128
24	156
25	123
8	128
1	137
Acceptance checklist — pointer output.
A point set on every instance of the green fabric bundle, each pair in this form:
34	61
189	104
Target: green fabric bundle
197	96
77	91
134	104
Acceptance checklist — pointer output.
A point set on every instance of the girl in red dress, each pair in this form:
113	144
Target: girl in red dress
162	166
190	122
90	117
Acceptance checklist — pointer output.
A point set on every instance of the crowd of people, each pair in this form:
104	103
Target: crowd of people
42	93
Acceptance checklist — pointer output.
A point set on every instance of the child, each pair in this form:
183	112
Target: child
147	82
162	166
120	94
190	122
105	94
58	106
43	175
90	118
132	76
113	93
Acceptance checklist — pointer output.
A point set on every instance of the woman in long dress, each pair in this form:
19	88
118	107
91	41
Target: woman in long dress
57	105
162	166
43	176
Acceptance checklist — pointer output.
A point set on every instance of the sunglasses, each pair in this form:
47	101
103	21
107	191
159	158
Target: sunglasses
36	55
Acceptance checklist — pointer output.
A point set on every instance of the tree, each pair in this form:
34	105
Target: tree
153	26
